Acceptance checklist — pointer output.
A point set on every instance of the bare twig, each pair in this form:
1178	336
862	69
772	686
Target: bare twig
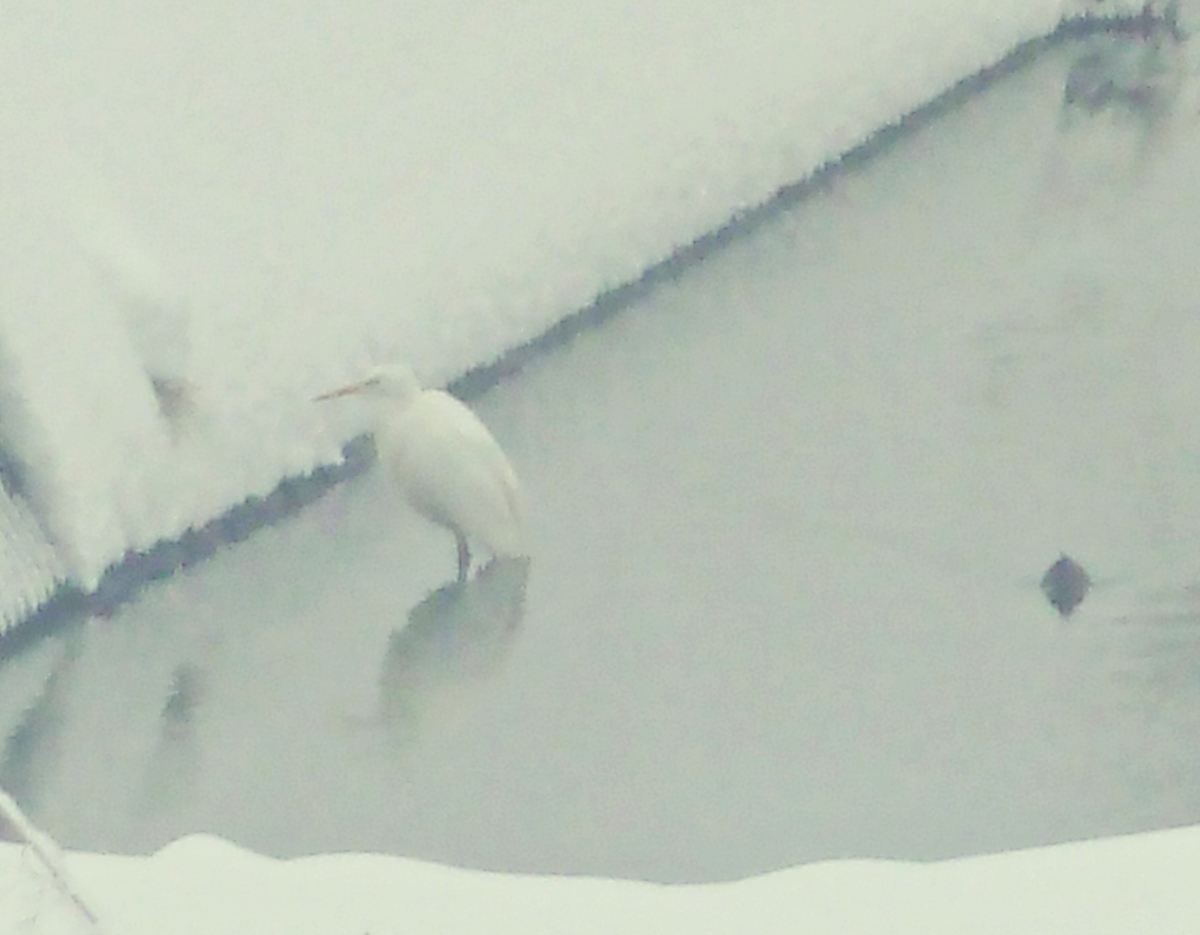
45	851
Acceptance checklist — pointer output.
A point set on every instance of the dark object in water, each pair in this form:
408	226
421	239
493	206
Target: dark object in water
1065	585
187	691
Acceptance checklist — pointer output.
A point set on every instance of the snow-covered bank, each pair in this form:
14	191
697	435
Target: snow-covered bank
201	885
210	218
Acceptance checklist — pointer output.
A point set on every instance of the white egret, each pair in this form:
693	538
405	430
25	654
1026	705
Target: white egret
449	466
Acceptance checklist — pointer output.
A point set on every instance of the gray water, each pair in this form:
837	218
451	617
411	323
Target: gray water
788	513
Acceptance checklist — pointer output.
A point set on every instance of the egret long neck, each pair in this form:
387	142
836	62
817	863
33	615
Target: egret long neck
400	387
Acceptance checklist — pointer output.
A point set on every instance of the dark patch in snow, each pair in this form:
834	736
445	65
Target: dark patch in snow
12	475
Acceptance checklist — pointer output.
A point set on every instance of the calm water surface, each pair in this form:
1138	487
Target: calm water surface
789	514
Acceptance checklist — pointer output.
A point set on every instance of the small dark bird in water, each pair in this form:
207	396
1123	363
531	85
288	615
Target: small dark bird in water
1066	585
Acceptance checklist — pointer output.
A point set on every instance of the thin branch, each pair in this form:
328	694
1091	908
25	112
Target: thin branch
44	849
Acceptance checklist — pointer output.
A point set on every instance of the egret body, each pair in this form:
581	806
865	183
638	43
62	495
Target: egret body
449	466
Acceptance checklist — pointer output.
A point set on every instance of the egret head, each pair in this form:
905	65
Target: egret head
386	381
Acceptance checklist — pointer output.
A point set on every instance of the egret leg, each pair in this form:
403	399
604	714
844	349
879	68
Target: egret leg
464	557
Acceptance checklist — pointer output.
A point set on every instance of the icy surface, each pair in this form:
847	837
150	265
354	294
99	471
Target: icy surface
209	218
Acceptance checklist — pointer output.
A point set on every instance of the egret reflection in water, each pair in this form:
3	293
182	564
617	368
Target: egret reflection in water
174	762
455	639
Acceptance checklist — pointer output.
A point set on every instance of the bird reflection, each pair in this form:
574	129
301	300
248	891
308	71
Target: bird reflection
32	749
455	639
174	761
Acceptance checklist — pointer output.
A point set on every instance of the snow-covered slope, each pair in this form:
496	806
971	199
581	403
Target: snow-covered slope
206	218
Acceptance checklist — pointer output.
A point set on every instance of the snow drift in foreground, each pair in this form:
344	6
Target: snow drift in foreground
201	884
209	218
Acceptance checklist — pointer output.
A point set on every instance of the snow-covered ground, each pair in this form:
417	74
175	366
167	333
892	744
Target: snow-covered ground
210	218
202	885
